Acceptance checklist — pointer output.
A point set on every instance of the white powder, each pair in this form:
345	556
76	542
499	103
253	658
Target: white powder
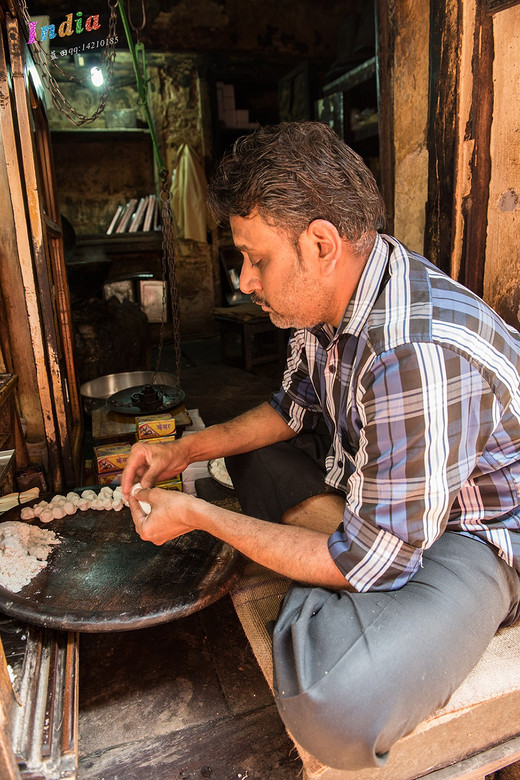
24	550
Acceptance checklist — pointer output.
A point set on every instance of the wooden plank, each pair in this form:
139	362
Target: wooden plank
445	37
8	763
60	454
386	35
221	748
25	256
478	130
479	766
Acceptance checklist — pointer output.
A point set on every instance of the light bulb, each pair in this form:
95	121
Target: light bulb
96	75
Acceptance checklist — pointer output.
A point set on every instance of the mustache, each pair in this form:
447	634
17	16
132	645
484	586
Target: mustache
256	299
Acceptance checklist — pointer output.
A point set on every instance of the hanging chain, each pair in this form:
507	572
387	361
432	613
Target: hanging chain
169	239
137	30
168	225
59	100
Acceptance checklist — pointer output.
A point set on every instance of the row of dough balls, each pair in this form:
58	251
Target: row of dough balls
59	506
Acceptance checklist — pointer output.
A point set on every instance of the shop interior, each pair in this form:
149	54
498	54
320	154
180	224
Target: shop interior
120	298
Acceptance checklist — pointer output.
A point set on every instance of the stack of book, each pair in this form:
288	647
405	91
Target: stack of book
139	214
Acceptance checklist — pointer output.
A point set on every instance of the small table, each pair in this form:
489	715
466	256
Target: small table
248	337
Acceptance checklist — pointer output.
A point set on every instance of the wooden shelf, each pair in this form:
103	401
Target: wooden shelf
352	78
125	239
101	134
370	130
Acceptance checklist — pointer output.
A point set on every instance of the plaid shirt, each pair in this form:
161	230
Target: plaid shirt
419	387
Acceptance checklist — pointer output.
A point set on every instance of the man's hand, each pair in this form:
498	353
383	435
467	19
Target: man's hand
151	463
172	514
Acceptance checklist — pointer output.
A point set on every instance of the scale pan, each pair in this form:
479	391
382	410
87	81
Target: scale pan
127	401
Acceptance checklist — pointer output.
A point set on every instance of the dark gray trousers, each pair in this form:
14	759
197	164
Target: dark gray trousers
354	672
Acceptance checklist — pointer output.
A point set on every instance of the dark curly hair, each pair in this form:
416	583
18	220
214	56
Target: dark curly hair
294	173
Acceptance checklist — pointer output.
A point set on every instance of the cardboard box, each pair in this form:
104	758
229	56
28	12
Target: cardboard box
175	483
106	479
160	440
152	426
111	457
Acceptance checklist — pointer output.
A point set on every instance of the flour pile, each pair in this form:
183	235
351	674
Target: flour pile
24	550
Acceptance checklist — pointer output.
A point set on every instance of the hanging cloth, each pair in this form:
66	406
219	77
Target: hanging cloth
189	189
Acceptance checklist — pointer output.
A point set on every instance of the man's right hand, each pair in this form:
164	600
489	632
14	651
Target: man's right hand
151	463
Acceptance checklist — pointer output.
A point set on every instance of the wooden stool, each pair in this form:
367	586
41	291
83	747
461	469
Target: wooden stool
475	734
248	337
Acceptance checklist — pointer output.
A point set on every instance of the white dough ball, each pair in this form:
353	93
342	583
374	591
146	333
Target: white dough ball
39	508
145	506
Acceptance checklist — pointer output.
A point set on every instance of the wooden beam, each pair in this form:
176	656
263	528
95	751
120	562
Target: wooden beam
445	38
385	36
481	765
478	130
24	247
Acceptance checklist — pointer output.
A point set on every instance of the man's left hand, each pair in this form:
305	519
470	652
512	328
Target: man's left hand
172	514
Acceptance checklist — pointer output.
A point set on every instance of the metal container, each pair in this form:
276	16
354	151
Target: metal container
96	391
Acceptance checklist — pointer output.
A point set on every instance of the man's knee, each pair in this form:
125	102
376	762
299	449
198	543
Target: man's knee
322	512
350	736
272	479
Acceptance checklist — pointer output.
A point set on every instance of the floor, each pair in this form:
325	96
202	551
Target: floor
187	699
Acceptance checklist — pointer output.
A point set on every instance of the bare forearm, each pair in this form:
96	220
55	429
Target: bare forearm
299	553
249	431
149	463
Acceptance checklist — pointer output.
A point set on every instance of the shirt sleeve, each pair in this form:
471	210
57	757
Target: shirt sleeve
424	415
297	401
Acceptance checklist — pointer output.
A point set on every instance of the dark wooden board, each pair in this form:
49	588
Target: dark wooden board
103	577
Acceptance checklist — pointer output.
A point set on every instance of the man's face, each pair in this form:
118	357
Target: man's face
278	278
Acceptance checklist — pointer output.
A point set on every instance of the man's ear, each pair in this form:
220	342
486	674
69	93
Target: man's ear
326	243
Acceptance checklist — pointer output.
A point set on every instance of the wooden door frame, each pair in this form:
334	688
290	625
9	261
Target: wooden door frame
446	138
41	258
385	15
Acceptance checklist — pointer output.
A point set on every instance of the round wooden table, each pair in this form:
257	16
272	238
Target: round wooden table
103	577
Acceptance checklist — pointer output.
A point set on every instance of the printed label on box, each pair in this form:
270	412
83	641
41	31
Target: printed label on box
111	457
154	426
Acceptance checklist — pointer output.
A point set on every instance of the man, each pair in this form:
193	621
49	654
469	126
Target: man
383	477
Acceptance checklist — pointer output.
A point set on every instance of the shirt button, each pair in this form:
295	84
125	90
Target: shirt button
332	368
340	464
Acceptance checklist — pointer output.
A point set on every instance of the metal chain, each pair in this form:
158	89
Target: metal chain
137	30
169	240
59	100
